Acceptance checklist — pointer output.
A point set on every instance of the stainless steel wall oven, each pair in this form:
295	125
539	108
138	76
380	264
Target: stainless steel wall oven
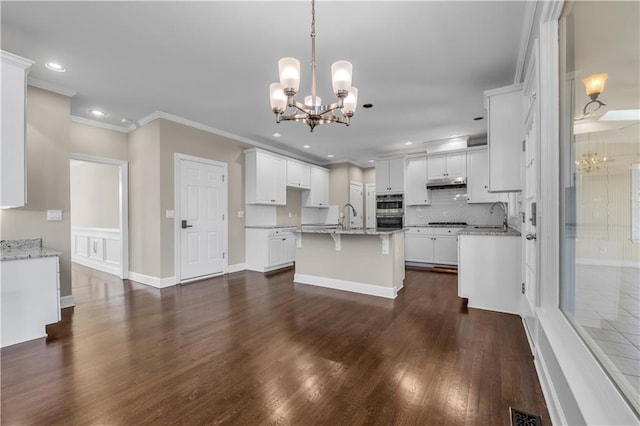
390	211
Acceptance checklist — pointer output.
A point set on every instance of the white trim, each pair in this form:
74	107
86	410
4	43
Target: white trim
152	281
109	233
525	38
238	267
113	270
608	262
51	87
177	158
100	124
19	61
352	286
67	301
123	168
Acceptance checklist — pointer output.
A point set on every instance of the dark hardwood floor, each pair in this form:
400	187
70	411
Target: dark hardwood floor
250	349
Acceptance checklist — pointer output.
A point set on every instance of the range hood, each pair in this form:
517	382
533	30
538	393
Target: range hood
447	183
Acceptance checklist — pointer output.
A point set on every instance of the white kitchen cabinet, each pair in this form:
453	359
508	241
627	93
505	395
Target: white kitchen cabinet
390	176
504	137
266	178
446	165
489	272
30	298
318	194
478	178
417	193
268	249
431	245
298	175
13	167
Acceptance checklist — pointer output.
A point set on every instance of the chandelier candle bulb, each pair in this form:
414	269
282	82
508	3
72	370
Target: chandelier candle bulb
341	72
308	102
289	70
278	98
350	102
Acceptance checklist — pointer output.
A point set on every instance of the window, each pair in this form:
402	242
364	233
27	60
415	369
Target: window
600	187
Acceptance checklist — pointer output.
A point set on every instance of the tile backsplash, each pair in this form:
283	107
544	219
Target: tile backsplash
450	205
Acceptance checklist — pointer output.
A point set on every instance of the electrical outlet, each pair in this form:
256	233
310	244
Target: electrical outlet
170	214
240	214
54	215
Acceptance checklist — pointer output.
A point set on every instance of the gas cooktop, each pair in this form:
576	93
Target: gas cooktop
451	224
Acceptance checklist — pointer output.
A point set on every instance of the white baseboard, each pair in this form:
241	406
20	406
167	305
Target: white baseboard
236	268
67	301
113	270
608	262
152	281
354	287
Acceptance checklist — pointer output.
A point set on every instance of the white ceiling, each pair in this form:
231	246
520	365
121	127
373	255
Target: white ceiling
424	65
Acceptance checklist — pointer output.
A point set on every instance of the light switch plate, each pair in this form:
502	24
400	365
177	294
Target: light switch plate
240	214
170	214
54	215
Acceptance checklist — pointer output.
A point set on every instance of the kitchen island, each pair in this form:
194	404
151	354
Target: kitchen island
366	261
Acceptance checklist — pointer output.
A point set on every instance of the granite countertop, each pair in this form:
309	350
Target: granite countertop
25	249
489	230
355	231
270	226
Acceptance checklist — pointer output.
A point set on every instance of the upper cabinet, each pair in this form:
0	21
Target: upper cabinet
13	143
298	175
478	178
417	193
390	176
266	178
446	165
318	194
504	136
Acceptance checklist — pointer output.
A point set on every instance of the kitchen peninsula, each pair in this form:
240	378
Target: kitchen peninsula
366	261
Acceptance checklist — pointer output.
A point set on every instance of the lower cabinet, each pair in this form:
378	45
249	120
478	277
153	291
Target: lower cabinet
270	249
431	245
30	298
489	272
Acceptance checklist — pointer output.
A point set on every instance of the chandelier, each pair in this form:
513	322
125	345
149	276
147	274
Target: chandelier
312	112
590	162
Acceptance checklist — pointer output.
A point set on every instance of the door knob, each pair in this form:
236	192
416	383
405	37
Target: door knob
531	237
185	226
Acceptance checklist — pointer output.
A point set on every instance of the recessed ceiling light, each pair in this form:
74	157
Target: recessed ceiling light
53	66
330	155
276	135
307	146
478	118
126	120
371	161
408	143
97	113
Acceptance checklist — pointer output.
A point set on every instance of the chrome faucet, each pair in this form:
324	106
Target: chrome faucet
344	218
504	209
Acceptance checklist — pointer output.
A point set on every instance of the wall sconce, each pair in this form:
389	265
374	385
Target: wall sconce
594	85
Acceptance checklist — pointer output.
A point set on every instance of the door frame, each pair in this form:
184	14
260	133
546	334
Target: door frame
177	158
123	174
369	186
359	184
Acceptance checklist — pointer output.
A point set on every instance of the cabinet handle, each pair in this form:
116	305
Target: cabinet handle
284	239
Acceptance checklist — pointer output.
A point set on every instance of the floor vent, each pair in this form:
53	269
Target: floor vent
520	418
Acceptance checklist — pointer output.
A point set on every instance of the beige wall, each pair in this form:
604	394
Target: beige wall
144	200
293	207
89	140
176	137
95	195
339	184
47	180
369	175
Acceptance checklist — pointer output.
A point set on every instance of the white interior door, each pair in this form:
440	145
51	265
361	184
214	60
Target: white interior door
356	198
202	222
371	205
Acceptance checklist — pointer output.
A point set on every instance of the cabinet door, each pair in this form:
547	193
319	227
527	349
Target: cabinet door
418	248
318	195
504	137
305	176
436	166
382	177
279	181
478	178
276	250
446	250
417	193
289	249
396	175
293	173
264	179
457	164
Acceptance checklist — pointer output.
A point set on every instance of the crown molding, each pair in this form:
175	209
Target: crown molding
12	58
100	124
525	38
51	87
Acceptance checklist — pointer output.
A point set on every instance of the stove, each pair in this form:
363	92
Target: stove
449	224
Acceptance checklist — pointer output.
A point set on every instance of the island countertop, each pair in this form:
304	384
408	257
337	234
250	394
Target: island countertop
344	231
489	230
